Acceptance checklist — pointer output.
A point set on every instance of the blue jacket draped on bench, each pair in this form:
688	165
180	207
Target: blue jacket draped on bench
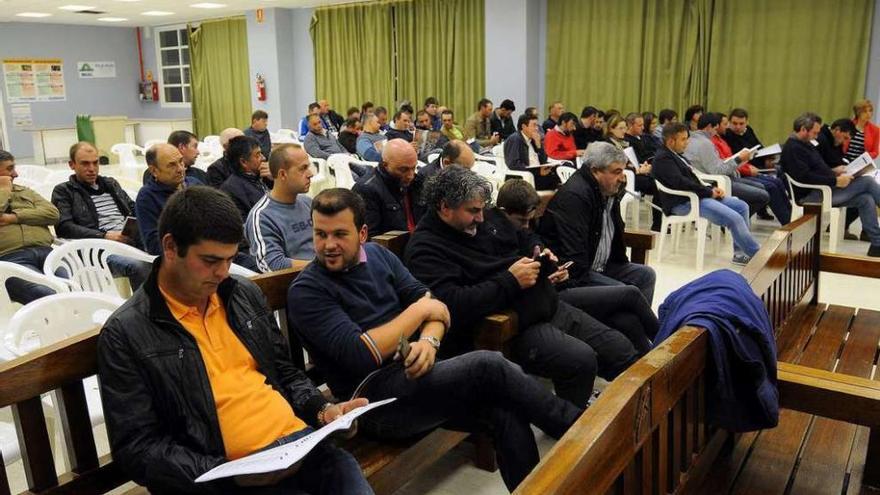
742	364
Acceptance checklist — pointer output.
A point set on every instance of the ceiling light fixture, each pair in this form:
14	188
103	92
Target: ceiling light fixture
208	5
76	8
112	19
33	14
157	13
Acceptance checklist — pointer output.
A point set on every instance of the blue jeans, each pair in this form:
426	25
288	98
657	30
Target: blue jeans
729	212
779	202
863	193
327	469
641	276
753	194
21	291
475	391
134	270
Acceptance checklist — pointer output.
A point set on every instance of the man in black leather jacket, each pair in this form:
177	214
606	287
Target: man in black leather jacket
194	370
393	191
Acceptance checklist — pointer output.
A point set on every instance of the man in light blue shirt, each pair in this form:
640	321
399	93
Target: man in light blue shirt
366	142
279	226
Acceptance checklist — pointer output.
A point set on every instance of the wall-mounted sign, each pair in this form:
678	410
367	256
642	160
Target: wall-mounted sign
90	70
34	80
22	118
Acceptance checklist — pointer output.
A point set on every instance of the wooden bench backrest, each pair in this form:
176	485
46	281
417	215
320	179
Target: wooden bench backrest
647	433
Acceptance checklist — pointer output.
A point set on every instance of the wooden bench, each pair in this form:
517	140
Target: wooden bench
648	432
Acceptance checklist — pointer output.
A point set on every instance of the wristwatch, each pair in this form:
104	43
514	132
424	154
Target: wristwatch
434	341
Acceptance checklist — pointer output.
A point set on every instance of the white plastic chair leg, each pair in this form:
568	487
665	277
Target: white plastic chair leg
664	225
836	231
702	223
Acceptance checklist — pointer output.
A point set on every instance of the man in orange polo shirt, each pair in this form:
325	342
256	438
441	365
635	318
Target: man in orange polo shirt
194	370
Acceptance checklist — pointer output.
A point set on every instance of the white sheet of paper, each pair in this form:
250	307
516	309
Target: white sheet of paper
631	154
769	150
284	456
544	165
859	164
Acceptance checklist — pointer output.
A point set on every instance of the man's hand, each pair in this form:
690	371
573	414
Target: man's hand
434	310
753	171
717	193
525	270
336	410
264	171
643	169
420	360
744	156
267	479
839	170
559	276
844	180
115	235
6	183
8	219
495	138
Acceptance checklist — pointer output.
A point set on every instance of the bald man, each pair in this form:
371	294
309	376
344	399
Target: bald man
456	152
392	194
220	170
168	170
331	120
279	226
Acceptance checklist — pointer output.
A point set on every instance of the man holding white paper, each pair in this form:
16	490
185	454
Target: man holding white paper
194	370
802	161
703	156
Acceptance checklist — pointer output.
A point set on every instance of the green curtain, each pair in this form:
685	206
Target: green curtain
441	52
776	58
219	70
354	56
781	58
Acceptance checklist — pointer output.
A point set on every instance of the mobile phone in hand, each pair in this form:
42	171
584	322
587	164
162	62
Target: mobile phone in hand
403	348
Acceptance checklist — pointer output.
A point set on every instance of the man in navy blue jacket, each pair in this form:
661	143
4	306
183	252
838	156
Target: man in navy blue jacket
169	175
353	305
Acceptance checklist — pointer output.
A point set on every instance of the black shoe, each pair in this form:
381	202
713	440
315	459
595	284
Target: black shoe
849	236
874	251
765	215
864	237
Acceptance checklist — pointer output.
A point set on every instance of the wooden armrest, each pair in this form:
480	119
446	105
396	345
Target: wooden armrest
828	394
274	286
641	241
849	264
496	330
393	240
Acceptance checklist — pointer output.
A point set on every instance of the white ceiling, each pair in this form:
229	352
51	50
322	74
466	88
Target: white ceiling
133	10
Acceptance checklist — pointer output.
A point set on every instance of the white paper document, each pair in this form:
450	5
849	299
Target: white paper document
631	154
769	150
750	150
284	456
860	165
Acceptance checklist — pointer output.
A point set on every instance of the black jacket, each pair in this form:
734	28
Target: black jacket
221	169
79	217
399	134
832	155
748	140
504	127
672	171
516	152
245	190
572	224
804	164
644	149
583	136
160	411
470	274
383	196
191	171
348	140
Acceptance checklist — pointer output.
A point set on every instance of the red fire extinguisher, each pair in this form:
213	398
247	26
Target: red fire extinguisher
261	88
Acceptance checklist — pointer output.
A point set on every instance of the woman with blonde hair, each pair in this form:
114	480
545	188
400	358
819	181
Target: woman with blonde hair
867	135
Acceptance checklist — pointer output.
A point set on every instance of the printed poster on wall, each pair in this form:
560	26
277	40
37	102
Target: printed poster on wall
30	80
22	118
91	70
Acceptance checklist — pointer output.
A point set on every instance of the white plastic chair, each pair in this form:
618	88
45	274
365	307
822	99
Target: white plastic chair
692	216
36	173
127	154
54	318
241	271
85	261
284	136
432	157
502	170
150	143
628	200
723	181
7	306
214	143
830	214
564	173
339	164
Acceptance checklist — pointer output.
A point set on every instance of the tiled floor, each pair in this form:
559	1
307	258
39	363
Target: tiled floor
454	474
